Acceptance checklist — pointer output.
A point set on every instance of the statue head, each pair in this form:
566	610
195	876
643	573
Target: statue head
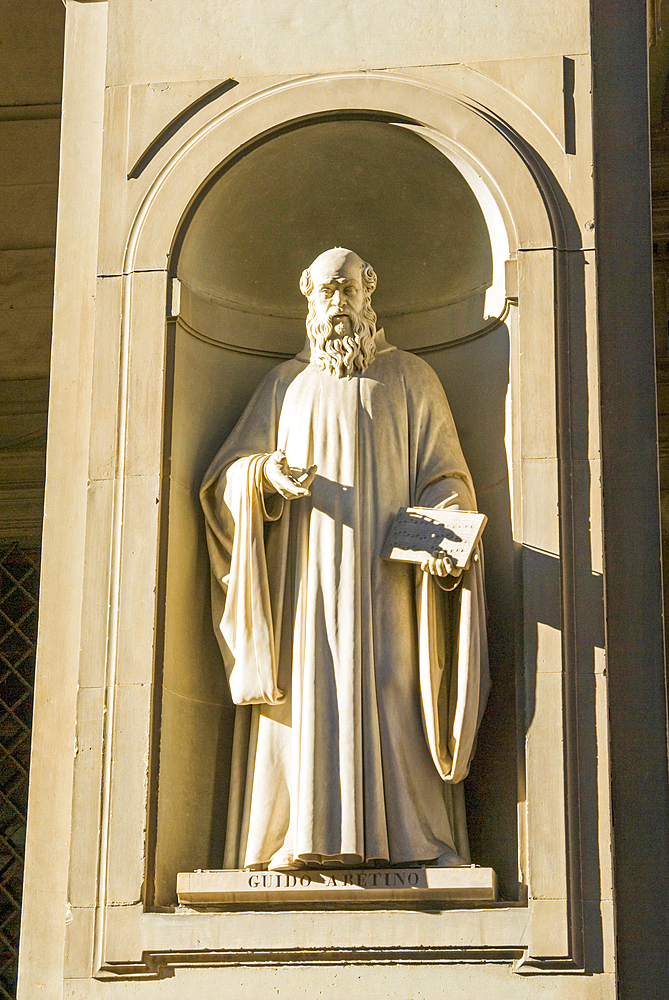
341	323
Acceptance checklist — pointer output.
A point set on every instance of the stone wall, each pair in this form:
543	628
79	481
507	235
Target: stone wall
170	123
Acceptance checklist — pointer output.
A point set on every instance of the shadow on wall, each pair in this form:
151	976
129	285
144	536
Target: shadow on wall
475	377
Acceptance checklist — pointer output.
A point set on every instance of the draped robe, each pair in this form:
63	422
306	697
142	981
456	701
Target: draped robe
368	679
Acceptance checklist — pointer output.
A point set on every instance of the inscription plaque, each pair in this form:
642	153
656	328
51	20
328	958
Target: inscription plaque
409	885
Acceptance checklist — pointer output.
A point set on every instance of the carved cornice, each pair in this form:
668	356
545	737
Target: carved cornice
162	964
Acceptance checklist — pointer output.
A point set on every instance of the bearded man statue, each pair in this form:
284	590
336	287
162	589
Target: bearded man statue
367	677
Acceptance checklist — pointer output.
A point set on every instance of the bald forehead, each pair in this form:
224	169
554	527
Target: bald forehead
327	268
336	258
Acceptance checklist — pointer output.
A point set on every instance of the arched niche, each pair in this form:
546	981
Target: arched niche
371	183
432	231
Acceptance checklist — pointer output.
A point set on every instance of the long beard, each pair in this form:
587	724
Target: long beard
342	356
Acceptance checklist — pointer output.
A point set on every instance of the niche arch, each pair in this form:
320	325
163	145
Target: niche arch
402	203
513	164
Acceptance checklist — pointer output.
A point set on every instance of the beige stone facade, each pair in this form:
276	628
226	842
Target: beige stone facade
492	161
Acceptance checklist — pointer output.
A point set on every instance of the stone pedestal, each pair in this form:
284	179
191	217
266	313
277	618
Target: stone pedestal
364	887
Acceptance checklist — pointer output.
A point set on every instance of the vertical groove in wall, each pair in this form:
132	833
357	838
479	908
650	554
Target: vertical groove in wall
633	583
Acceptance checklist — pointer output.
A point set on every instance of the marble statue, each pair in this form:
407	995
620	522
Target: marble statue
368	677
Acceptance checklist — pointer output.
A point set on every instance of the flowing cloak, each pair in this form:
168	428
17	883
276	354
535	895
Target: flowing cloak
368	679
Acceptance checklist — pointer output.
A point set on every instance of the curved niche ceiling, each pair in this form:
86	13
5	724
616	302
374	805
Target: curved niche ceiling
377	188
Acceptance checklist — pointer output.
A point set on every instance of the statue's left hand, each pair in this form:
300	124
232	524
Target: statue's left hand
441	566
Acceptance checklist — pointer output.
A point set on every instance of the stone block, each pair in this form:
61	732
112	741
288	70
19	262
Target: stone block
401	886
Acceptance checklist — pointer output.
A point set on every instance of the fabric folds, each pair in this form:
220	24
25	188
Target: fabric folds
368	680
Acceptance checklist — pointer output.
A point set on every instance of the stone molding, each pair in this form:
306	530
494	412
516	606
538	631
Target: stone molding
538	218
522	166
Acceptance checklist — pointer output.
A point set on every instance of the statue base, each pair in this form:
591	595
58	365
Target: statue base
409	886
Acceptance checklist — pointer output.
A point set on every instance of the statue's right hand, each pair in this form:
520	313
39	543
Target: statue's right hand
289	483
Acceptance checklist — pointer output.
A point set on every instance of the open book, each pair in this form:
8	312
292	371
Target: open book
420	532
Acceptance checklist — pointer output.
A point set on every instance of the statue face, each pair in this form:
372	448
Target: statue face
341	324
338	295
